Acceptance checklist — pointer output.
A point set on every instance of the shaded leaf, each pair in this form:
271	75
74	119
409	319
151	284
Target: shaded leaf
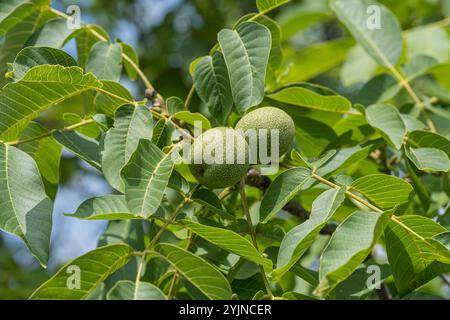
197	271
231	242
299	239
80	145
282	190
132	123
428	159
128	290
25	209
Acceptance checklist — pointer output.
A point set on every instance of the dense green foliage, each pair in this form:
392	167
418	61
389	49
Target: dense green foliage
365	186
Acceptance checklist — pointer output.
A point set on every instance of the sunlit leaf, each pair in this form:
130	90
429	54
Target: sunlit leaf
92	268
246	52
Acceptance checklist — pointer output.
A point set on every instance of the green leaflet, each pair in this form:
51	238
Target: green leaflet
92	268
54	33
17	36
213	85
343	159
34	56
276	52
146	176
388	121
47	85
415	258
197	272
282	190
80	145
386	46
25	209
303	97
132	123
133	57
47	154
13	12
298	240
193	119
230	241
108	103
107	207
174	105
343	254
128	290
427	139
246	52
383	190
105	61
268	5
428	159
85	41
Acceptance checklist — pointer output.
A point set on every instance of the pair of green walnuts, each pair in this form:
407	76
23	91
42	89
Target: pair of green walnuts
222	174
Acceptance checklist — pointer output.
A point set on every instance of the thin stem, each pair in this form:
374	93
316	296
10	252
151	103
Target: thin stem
419	103
172	285
189	97
170	220
155	239
348	193
253	233
49	133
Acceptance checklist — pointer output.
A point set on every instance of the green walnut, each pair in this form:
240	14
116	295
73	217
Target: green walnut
219	158
270	119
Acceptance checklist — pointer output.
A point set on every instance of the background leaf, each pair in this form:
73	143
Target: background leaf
384	44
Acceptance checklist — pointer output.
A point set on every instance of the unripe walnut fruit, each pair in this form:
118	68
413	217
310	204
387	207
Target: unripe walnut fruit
270	118
219	158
